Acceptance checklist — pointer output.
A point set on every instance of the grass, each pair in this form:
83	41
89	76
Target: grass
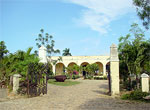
66	83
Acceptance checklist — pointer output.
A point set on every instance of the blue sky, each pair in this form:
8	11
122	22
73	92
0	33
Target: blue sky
87	27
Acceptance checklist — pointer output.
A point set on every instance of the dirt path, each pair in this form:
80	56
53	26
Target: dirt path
89	95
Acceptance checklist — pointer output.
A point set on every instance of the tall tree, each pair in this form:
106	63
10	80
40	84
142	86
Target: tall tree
130	49
46	40
134	52
66	52
143	11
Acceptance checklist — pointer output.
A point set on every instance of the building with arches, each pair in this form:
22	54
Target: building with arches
67	61
103	62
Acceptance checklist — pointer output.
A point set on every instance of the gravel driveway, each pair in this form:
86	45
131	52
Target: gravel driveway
89	95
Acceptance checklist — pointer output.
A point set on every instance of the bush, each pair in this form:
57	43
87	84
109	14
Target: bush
135	95
68	76
50	77
88	77
100	77
138	95
126	85
125	97
75	76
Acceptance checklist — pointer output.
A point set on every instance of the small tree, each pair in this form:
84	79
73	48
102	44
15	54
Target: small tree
91	69
73	71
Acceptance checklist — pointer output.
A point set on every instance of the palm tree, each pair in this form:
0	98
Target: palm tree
66	52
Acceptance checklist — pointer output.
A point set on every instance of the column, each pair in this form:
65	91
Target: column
104	69
16	78
114	70
54	69
145	82
42	54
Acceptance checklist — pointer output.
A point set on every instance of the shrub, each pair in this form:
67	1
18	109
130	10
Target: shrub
75	76
125	97
100	77
135	95
138	95
88	77
50	77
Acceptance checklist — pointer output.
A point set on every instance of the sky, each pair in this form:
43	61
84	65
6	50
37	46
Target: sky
87	27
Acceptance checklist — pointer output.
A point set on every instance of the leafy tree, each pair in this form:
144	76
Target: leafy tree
3	50
66	52
17	63
46	40
133	52
143	11
73	71
91	69
70	69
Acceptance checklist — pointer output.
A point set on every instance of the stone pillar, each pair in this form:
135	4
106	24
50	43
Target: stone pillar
145	82
16	78
42	54
54	69
104	70
114	70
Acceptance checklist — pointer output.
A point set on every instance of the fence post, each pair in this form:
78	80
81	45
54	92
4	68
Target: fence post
145	82
16	78
114	70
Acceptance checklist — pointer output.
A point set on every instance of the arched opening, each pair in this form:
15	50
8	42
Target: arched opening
60	68
84	64
100	65
71	64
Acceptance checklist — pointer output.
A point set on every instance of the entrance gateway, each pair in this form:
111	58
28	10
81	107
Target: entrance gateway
102	61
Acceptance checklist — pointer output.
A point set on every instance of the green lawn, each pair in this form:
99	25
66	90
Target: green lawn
66	83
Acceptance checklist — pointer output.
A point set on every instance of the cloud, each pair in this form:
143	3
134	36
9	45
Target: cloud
98	14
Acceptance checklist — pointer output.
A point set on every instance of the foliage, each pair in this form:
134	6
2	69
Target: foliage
87	76
16	63
35	79
129	50
3	49
66	52
135	95
143	11
66	83
100	77
73	71
47	41
90	69
134	53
